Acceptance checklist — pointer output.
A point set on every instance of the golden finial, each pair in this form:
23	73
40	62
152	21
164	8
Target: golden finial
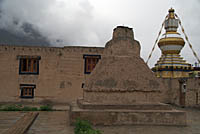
171	13
171	10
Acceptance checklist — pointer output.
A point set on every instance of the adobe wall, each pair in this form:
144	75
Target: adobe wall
61	73
192	94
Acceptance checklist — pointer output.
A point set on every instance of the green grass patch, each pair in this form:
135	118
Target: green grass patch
46	108
10	108
20	107
84	127
29	109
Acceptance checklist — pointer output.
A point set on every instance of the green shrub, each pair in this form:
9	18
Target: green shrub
46	108
34	109
84	127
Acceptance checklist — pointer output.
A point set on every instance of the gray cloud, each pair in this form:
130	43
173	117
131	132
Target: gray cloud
188	11
67	22
90	22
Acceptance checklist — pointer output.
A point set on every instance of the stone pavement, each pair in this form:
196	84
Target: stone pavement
22	125
7	119
57	122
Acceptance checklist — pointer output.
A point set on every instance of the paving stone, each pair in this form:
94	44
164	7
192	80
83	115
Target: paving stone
7	119
22	124
52	122
58	123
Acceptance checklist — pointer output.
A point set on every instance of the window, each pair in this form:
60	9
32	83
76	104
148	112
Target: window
27	90
90	62
29	64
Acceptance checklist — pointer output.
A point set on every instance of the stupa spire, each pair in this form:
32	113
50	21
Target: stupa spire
171	24
171	64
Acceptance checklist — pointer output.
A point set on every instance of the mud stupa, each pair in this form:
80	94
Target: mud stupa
122	90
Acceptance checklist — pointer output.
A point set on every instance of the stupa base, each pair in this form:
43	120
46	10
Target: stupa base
122	116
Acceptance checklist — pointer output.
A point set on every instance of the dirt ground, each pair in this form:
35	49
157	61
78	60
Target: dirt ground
57	122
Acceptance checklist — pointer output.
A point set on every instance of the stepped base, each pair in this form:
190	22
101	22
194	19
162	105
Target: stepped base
128	116
136	106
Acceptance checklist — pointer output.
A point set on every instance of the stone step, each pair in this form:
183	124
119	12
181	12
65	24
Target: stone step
135	106
129	117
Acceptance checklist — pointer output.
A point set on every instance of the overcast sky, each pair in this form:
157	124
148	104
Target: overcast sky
90	22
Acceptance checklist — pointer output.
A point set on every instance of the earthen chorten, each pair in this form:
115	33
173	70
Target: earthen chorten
123	90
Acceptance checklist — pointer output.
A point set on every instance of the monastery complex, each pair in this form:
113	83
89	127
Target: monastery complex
114	74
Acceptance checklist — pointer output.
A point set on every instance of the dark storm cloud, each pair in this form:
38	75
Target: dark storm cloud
15	31
61	22
90	22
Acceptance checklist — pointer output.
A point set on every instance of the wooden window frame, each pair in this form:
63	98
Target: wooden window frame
92	63
27	90
29	65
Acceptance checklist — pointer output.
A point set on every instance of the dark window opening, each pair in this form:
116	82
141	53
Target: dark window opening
29	65
27	90
90	62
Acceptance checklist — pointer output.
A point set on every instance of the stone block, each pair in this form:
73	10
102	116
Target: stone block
109	117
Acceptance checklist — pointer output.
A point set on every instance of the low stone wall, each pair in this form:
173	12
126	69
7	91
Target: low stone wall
129	117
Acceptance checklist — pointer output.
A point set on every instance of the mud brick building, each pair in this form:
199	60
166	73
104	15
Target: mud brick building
35	74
